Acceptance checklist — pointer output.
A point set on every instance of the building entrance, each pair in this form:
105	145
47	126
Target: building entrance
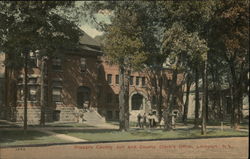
137	102
83	97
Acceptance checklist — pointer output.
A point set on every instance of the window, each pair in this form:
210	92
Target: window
137	81
32	89
32	60
109	115
117	98
131	80
56	91
100	72
99	92
32	93
109	98
57	84
116	79
109	78
56	94
57	64
154	100
83	65
143	81
32	80
56	115
20	80
20	93
117	115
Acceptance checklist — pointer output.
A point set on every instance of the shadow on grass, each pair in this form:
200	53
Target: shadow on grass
7	125
9	136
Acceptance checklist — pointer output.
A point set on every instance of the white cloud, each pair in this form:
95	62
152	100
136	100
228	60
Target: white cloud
91	31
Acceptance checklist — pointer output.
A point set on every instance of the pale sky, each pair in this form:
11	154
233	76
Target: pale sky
91	31
101	16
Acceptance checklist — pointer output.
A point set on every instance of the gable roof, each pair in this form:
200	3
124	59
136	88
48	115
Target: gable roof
85	39
89	44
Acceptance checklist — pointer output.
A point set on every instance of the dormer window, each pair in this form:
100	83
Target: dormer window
83	65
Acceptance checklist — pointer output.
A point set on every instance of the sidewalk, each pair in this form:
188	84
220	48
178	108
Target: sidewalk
62	136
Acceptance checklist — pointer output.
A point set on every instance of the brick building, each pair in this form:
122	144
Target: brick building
142	96
80	78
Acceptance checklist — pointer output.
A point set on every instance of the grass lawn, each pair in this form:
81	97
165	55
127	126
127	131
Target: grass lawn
115	135
17	137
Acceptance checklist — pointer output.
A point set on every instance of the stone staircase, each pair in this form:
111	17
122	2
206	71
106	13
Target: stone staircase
91	116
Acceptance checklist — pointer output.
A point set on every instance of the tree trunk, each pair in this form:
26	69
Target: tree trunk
232	105
6	97
170	101
206	96
42	95
124	99
235	96
160	96
185	112
197	99
25	89
204	101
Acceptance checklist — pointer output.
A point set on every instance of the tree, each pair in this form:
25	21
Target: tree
126	41
123	46
186	104
230	36
183	50
30	26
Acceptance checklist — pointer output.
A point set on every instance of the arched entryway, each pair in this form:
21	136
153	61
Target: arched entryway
83	96
137	102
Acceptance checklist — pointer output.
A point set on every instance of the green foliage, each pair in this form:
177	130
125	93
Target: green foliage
122	42
186	47
35	26
137	21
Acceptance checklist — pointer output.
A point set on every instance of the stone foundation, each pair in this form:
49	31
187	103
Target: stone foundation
66	114
33	115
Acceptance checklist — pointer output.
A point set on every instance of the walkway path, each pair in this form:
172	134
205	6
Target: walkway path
103	125
62	136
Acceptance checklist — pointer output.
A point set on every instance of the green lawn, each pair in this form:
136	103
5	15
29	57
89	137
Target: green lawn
17	137
115	135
